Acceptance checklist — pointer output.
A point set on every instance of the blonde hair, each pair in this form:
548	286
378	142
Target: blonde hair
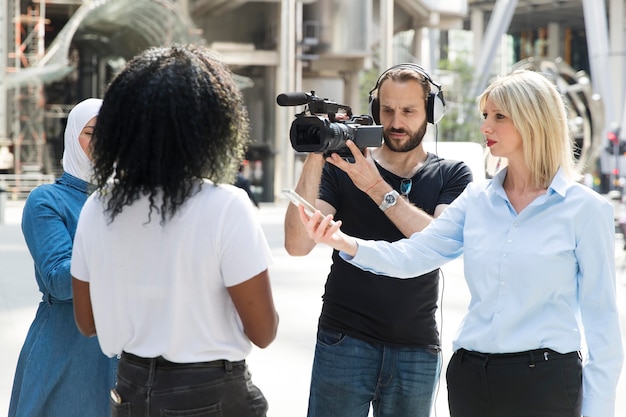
538	113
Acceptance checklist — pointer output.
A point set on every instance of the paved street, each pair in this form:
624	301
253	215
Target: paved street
282	370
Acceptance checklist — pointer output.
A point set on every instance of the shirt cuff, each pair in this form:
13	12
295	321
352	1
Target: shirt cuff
595	406
365	255
360	245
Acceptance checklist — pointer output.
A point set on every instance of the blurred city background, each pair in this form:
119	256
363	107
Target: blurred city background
54	53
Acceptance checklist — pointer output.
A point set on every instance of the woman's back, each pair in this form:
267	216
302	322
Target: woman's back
170	290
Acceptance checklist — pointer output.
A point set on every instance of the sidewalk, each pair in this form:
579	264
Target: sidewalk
282	371
18	297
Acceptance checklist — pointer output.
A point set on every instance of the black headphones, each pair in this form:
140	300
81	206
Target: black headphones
435	106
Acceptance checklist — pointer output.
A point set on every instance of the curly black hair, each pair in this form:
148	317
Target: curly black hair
171	118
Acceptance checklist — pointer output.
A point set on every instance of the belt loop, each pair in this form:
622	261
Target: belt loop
228	366
152	369
532	365
461	353
46	298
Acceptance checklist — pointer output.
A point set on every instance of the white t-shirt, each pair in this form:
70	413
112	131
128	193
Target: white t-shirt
161	290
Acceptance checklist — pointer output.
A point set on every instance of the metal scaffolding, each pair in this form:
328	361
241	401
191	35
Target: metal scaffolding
127	25
28	99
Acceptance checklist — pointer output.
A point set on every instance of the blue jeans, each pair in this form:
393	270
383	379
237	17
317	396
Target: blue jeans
349	374
158	388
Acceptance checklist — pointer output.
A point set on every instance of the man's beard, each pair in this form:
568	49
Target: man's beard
414	139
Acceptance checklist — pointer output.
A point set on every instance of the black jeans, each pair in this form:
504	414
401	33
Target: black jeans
538	383
155	387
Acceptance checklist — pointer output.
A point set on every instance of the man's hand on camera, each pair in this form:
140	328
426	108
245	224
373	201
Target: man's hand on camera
363	171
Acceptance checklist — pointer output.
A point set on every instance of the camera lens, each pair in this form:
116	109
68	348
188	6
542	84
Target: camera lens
309	135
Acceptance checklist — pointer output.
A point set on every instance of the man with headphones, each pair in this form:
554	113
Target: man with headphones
378	341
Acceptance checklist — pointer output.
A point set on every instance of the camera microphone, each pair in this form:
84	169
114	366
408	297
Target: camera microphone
293	99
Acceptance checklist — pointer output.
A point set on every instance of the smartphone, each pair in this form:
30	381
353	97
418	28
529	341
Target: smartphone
298	200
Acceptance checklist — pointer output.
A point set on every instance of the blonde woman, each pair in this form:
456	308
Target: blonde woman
538	250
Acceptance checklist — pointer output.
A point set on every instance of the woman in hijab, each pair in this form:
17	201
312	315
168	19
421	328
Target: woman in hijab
60	372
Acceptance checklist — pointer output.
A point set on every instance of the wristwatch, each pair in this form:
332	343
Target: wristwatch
390	199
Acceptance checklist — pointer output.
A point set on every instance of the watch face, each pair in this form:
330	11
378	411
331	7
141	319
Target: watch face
389	198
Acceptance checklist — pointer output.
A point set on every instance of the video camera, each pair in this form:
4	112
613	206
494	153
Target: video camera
316	129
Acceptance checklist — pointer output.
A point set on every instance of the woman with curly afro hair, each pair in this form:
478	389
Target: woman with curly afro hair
157	267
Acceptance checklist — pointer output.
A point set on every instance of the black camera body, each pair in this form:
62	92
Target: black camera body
317	130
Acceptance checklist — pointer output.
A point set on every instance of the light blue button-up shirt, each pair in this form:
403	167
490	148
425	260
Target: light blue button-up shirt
536	278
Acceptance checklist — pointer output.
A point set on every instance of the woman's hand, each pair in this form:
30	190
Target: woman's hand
322	229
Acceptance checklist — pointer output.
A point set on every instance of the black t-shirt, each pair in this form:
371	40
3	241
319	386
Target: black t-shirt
375	308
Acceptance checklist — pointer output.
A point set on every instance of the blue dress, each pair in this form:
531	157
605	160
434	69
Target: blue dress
60	372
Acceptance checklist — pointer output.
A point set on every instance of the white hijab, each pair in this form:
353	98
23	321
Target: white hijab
75	160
